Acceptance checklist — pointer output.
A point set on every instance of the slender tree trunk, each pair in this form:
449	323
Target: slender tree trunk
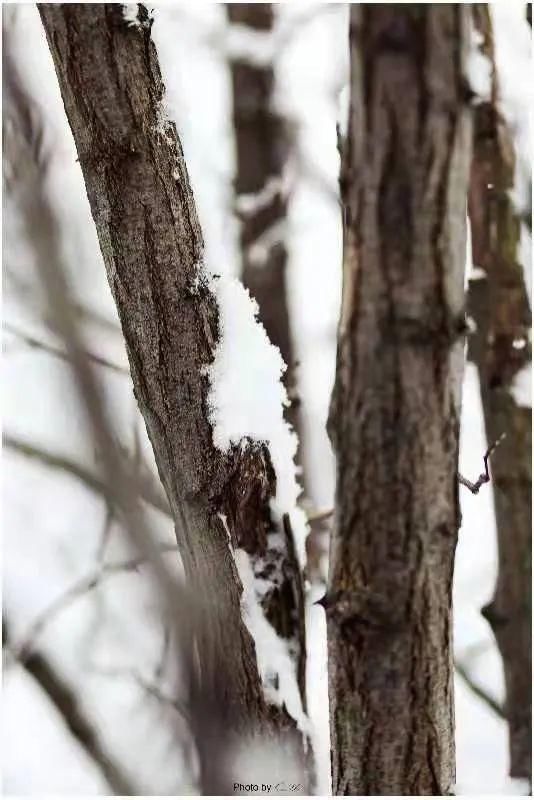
143	208
394	416
262	144
500	347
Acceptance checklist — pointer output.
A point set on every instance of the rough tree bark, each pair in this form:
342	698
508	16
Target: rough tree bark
151	242
500	347
394	416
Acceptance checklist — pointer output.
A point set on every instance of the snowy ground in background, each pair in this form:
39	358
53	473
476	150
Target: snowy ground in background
54	538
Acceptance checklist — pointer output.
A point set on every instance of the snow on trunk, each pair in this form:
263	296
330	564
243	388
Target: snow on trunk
246	402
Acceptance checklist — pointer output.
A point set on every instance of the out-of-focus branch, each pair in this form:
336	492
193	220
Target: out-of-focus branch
224	45
149	687
146	486
263	148
38	344
67	703
481	693
25	648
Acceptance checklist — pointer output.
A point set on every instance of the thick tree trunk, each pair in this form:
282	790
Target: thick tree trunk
143	208
262	143
394	416
500	347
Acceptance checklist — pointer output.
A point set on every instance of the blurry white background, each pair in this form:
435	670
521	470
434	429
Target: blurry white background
107	643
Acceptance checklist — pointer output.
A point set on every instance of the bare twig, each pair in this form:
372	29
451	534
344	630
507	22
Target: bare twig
281	38
484	477
67	704
146	486
164	652
479	691
149	687
23	650
58	352
106	531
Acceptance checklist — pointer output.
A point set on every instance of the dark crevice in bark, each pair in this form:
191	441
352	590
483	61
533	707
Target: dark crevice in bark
150	237
394	411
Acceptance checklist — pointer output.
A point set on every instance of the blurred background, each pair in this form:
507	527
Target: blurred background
88	673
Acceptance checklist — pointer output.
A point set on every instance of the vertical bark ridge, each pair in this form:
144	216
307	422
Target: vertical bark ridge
143	207
394	414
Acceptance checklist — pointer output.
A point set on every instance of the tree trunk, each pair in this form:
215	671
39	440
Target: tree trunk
394	416
500	347
262	144
151	242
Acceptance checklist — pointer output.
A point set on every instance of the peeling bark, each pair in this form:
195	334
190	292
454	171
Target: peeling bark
394	415
151	242
500	347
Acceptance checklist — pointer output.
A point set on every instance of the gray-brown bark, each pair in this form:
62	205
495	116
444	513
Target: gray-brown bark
262	143
500	347
151	241
394	416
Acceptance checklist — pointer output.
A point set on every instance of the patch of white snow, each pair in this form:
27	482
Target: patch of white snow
275	662
479	70
521	388
247	397
129	12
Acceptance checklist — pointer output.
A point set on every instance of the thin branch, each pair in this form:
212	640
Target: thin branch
57	352
281	38
148	687
145	486
164	652
479	691
485	476
106	532
24	650
67	704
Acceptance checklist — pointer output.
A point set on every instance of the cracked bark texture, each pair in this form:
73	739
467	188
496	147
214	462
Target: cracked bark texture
500	347
394	415
151	242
